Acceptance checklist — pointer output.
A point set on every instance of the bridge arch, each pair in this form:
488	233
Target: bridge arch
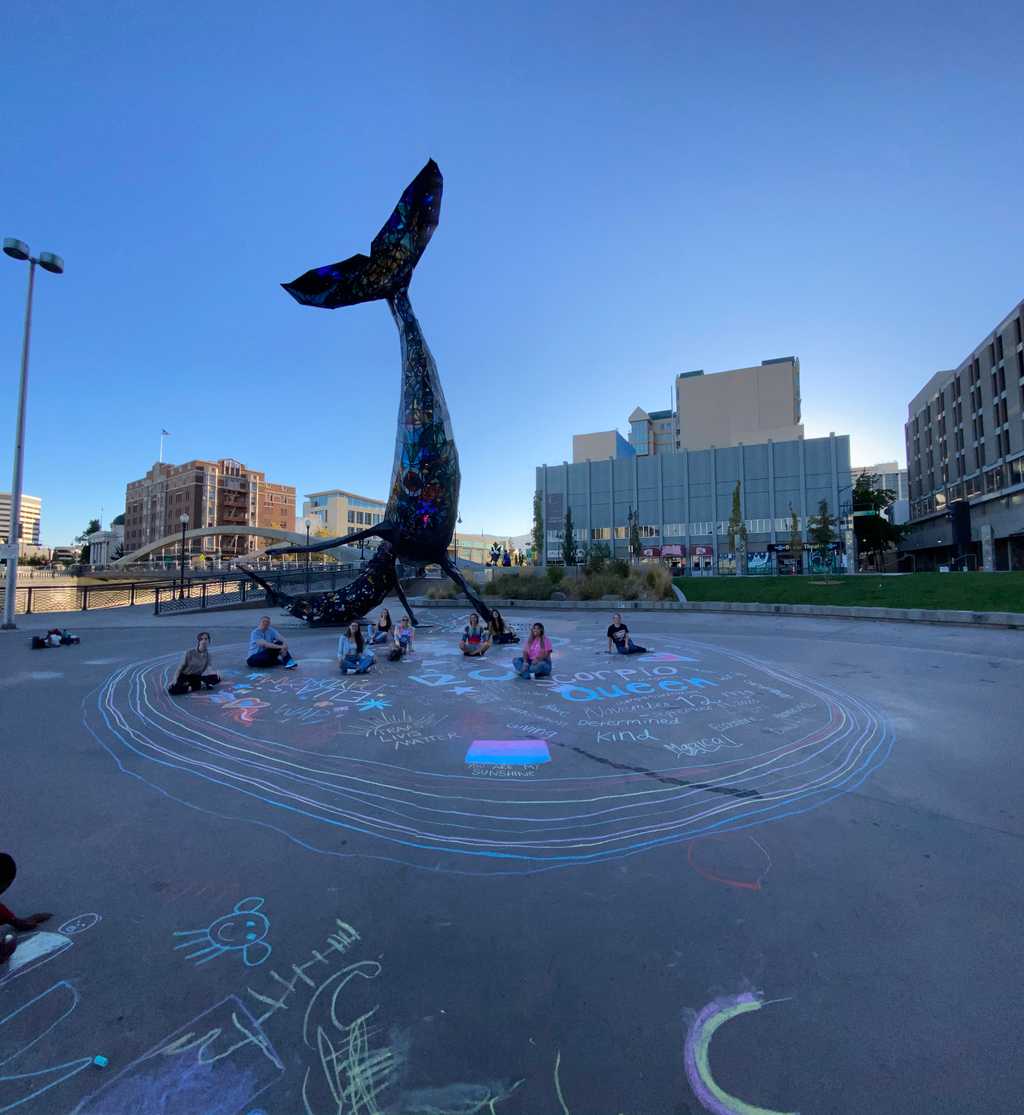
273	533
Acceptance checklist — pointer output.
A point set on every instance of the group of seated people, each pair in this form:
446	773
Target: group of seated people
477	640
353	649
268	648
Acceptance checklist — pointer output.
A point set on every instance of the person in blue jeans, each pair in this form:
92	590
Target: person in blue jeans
535	660
381	631
267	648
352	652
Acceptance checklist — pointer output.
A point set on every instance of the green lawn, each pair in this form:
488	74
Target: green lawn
969	592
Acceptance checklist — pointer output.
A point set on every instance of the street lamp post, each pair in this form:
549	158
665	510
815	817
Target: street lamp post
17	249
458	522
307	555
184	527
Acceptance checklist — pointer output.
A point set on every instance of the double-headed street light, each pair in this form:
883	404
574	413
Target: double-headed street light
184	527
18	249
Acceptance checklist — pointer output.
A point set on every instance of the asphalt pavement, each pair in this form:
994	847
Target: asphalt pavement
773	862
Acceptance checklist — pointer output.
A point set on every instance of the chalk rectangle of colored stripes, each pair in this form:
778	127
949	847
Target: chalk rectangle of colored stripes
508	752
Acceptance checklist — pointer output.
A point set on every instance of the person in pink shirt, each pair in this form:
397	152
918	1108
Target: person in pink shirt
536	657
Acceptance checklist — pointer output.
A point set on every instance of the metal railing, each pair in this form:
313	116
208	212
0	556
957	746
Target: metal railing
200	595
197	594
39	599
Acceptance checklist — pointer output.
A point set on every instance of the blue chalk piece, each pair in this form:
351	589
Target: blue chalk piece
100	1062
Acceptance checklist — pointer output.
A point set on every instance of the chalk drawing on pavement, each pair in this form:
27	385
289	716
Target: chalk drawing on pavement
243	930
696	1060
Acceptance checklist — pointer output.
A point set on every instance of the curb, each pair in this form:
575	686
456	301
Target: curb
1009	620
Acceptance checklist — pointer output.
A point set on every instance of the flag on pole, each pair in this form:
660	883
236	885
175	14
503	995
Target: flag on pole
165	433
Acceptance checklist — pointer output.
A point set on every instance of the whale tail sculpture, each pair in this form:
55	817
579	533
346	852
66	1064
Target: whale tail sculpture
419	521
395	251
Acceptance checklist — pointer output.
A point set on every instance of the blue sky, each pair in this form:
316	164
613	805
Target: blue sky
630	191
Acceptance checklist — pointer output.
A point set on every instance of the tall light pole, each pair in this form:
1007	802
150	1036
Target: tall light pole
184	527
307	555
18	249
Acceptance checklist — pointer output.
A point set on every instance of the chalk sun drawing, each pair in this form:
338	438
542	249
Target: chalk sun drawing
243	931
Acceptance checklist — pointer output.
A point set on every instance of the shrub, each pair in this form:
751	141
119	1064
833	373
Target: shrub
555	574
523	587
597	558
619	567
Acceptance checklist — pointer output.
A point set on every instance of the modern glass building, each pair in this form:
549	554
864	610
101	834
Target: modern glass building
684	499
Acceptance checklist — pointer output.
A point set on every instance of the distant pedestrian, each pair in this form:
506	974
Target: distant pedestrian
8	941
352	652
506	559
536	657
619	640
268	648
194	671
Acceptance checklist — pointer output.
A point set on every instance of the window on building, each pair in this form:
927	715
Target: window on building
351	516
1015	469
1017	331
999	346
600	534
1002	379
979	455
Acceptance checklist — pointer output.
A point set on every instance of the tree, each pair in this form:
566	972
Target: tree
823	535
875	534
597	557
635	546
538	528
796	542
92	528
736	526
569	553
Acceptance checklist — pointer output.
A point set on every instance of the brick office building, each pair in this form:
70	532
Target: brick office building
211	493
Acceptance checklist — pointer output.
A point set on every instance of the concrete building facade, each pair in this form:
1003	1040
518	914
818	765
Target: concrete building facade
31	517
211	493
339	512
600	446
743	406
684	499
965	441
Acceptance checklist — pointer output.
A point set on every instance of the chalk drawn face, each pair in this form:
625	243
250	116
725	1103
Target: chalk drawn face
243	930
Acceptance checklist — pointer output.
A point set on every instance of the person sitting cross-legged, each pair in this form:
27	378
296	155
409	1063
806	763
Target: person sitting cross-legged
381	630
267	648
619	640
352	652
194	672
535	660
500	633
476	640
404	639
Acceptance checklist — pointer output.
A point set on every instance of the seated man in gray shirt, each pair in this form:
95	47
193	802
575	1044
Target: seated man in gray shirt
267	648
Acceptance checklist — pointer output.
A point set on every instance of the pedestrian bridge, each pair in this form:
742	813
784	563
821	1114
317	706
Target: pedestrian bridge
272	534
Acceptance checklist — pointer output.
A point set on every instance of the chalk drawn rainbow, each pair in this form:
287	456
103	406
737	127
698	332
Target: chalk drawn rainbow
509	752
